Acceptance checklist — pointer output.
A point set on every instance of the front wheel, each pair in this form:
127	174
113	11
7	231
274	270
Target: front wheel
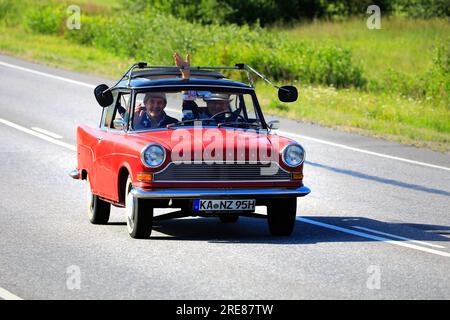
281	215
139	215
98	209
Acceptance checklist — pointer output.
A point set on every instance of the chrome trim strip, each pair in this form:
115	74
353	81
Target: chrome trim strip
219	193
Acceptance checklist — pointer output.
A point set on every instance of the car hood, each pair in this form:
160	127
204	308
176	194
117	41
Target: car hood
212	143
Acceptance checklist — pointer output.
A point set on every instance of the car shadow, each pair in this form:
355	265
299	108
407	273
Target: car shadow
252	230
378	179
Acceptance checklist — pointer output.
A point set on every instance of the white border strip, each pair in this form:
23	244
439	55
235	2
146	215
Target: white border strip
338	145
84	84
376	238
399	237
343	146
6	295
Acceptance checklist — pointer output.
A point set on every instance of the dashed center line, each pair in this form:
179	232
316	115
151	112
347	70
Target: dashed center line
49	133
39	135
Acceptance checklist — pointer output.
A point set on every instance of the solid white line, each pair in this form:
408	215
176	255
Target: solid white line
49	133
39	135
47	75
343	146
398	237
280	131
376	238
6	295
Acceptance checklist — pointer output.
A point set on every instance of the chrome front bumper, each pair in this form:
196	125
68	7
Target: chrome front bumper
219	193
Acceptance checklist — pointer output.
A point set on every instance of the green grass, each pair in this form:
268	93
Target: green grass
404	45
59	52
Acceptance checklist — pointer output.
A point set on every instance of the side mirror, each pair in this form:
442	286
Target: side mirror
287	94
103	98
274	125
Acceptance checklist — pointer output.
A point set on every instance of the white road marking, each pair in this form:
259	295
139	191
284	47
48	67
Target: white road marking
39	135
399	237
6	295
48	75
376	238
338	145
49	133
343	146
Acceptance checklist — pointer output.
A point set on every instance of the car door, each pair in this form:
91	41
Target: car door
111	133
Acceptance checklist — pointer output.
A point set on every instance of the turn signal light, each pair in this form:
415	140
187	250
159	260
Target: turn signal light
296	176
145	177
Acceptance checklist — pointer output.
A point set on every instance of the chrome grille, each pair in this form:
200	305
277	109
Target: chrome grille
192	172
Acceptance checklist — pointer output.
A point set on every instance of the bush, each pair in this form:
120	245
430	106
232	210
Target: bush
47	19
422	8
9	12
263	12
434	84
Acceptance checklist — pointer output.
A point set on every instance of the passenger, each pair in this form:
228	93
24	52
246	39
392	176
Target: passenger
152	114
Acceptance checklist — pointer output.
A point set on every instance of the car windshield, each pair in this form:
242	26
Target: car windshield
170	110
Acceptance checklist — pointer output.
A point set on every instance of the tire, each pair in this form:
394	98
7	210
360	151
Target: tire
98	209
231	218
281	215
139	215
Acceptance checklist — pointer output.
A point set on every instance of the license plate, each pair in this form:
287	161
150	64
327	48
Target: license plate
224	205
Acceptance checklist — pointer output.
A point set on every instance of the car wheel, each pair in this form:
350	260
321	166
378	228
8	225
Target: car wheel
139	215
281	215
98	209
229	218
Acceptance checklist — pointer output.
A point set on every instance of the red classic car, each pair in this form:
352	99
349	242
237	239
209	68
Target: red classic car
199	145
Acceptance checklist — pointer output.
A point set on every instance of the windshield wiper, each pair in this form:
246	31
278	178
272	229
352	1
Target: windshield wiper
185	122
239	125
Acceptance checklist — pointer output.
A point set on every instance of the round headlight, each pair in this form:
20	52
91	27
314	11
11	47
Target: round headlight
153	155
293	155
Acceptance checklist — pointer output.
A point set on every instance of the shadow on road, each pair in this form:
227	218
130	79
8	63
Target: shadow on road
380	179
251	230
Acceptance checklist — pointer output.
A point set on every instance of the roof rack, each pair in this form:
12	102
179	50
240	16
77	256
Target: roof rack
145	69
285	93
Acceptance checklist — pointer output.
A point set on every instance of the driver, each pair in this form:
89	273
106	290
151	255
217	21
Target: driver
216	103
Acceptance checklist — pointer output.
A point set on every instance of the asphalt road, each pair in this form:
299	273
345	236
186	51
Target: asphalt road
376	225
